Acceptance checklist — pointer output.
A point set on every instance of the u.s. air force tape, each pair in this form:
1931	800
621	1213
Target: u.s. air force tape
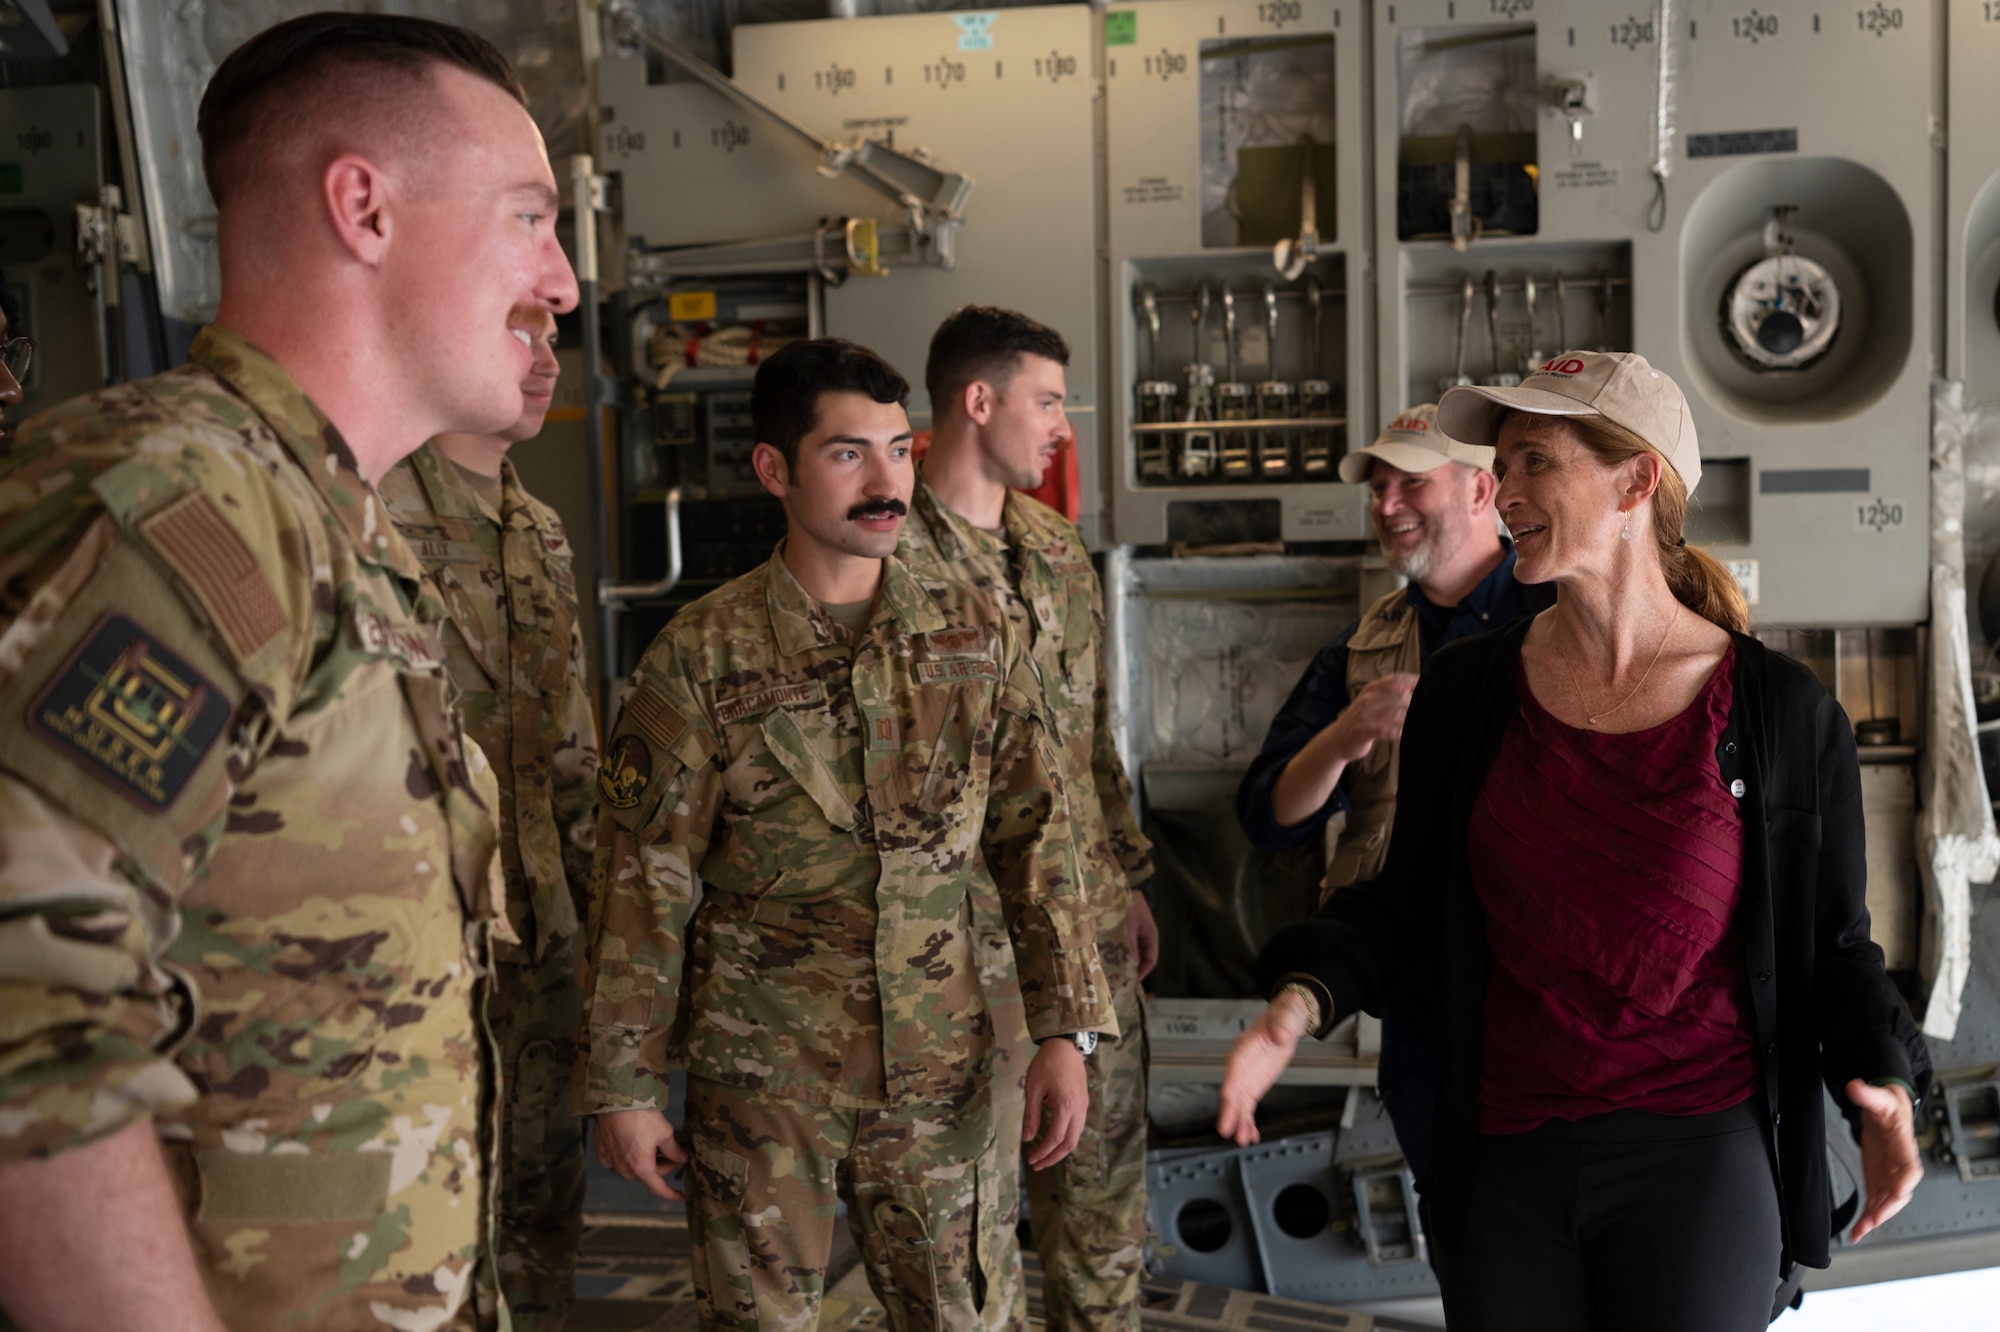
955	669
131	713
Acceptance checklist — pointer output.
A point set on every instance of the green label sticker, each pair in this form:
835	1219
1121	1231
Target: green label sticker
975	31
1121	28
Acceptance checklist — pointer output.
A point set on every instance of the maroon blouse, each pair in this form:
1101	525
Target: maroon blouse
1609	867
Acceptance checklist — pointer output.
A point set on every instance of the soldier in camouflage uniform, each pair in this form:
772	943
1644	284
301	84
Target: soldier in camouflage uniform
246	856
842	753
996	384
514	646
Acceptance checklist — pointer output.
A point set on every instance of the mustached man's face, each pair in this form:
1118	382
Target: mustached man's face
537	328
851	488
475	240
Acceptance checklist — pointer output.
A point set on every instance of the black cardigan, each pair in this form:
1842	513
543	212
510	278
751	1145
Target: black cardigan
1822	1006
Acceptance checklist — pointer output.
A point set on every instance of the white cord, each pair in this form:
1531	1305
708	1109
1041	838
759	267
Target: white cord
667	348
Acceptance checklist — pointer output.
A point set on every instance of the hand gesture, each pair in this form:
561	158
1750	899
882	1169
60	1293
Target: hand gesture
1260	1054
1890	1166
1374	715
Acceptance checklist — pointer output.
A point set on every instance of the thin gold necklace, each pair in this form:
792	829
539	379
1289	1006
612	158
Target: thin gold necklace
1664	635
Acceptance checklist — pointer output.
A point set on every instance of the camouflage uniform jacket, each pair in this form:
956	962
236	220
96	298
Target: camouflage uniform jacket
245	864
514	646
1043	578
835	799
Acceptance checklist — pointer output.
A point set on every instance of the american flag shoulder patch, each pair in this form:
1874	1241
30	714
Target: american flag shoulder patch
201	545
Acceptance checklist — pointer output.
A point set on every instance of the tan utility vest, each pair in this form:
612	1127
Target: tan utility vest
1385	643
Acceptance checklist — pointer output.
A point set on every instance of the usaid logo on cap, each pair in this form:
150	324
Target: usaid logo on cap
1410	424
1565	366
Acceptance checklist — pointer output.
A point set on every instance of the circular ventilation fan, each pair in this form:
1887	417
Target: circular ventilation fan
1782	312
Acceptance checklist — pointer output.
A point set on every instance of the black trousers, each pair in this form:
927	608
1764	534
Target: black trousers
1624	1222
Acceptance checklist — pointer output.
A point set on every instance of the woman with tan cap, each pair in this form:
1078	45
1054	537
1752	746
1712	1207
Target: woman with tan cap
1633	837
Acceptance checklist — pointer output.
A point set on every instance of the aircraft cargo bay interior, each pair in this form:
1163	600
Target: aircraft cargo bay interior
1169	664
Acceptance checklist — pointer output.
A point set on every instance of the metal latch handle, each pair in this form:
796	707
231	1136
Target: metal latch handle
619	594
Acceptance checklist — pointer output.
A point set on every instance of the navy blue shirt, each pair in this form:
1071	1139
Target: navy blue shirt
1320	696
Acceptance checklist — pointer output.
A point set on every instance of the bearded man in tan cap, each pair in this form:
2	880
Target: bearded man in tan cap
1332	749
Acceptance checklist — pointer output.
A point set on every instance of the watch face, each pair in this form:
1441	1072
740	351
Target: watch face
1086	1041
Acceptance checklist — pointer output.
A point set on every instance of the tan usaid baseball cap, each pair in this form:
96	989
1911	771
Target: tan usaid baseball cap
1621	387
1413	443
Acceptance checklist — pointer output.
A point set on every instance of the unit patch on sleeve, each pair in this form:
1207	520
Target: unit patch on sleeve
131	713
622	777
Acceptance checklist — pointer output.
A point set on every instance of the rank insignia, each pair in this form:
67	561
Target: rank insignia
622	777
134	715
884	728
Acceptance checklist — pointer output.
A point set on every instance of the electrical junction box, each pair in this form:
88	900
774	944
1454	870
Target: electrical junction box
1778	277
1005	98
1236	187
1972	201
1543	114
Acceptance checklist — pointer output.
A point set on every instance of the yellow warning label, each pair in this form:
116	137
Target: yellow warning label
687	307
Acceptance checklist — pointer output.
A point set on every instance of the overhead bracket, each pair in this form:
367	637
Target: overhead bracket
932	199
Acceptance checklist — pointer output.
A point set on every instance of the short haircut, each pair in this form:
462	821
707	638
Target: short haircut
328	69
984	342
784	397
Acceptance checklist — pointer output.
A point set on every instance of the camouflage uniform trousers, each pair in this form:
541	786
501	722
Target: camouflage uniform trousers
1088	1212
535	1009
762	1182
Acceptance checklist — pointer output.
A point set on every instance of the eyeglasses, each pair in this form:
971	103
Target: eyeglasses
17	354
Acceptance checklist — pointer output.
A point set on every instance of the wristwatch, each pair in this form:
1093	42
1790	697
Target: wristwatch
1084	1041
